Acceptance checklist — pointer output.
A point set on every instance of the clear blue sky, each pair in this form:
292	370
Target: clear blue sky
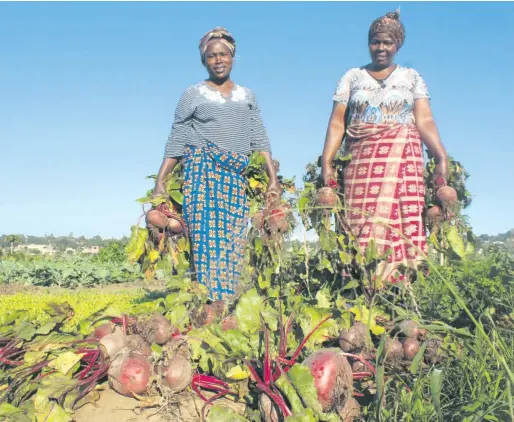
88	92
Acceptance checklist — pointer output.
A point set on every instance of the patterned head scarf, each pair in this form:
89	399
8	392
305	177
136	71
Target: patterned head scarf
391	25
217	34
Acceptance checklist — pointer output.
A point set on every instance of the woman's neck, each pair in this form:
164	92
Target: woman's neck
220	82
378	68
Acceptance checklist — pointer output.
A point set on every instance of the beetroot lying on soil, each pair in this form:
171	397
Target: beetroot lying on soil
433	352
219	307
204	315
129	373
139	345
102	330
354	338
326	197
410	348
447	195
350	411
409	328
111	344
157	329
178	373
393	349
229	323
332	377
268	409
358	366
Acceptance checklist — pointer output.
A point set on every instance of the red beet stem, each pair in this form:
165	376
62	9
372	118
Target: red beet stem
267	363
363	360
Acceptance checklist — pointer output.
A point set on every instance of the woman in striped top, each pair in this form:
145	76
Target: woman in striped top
217	126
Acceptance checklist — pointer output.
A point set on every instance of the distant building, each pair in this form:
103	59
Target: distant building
91	250
43	249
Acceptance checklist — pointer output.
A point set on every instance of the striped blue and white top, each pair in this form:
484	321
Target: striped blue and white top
232	123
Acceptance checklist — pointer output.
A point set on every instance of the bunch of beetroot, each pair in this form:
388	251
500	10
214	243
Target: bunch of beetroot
402	347
164	219
126	351
274	219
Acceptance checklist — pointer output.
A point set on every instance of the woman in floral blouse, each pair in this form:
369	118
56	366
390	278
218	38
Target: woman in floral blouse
217	126
383	110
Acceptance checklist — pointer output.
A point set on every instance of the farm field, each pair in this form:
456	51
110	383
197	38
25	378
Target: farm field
314	333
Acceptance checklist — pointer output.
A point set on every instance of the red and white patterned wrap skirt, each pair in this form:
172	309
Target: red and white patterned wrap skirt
385	192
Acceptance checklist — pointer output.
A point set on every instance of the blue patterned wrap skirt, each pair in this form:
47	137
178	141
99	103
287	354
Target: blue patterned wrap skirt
216	213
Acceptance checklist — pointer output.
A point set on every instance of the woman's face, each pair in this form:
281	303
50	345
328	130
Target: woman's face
218	60
382	50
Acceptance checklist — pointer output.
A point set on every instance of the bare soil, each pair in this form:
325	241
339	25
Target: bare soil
113	407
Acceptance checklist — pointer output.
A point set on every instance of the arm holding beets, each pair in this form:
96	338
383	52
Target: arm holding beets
333	139
430	136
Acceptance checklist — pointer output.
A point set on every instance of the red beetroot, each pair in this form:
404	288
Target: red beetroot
358	366
326	197
219	307
129	373
433	352
350	411
174	226
178	373
204	315
139	345
111	344
157	329
102	330
410	348
447	195
393	350
332	377
229	323
409	328
156	218
434	213
275	218
354	338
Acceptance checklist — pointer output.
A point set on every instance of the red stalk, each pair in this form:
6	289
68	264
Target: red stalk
363	360
267	363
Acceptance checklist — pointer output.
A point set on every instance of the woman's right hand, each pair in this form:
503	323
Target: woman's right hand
328	174
159	190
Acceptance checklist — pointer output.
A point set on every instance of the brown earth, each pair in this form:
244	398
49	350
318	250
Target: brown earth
113	407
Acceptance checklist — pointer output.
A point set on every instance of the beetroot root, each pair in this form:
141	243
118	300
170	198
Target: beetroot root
354	338
447	195
178	373
350	411
103	330
332	377
129	373
157	329
393	350
111	344
410	348
326	197
138	345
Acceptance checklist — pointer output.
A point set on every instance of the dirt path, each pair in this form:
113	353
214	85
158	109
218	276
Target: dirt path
113	407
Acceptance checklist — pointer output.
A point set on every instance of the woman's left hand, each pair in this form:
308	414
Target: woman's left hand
274	188
441	171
